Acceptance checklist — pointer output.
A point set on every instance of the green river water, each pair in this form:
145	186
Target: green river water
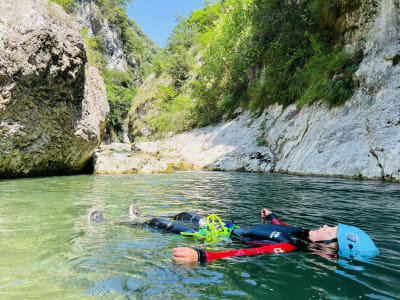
49	250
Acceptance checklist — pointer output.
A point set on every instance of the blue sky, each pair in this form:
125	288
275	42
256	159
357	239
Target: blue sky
157	17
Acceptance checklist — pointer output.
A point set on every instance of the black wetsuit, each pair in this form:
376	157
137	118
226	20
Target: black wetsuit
168	225
174	227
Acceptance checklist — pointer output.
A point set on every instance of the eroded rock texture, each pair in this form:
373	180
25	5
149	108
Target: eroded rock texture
53	106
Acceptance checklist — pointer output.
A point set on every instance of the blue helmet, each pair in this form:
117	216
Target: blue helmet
355	243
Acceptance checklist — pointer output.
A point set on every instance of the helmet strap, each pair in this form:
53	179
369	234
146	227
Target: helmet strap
326	241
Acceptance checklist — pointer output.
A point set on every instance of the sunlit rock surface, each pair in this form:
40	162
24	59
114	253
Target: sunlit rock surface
53	107
234	145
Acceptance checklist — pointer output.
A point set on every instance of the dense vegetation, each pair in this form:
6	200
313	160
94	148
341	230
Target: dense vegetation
137	48
120	92
258	52
68	5
231	53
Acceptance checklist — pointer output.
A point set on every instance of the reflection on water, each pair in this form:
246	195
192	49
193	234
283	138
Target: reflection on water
49	250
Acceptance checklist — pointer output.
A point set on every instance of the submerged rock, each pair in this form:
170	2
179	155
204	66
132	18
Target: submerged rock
53	106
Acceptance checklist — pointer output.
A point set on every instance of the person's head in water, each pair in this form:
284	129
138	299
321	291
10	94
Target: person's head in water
325	234
324	241
351	241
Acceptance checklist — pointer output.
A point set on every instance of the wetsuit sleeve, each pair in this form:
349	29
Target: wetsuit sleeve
274	220
208	256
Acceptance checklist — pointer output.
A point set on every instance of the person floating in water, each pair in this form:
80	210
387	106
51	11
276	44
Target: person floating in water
272	236
277	236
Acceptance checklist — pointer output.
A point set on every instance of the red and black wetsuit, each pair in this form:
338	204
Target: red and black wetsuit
274	237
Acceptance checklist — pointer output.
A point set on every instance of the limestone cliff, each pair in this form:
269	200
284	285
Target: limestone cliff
53	107
109	36
360	139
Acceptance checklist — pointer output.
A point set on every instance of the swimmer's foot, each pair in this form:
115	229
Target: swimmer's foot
134	211
96	216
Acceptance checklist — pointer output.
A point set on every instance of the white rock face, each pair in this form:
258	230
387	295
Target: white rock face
86	16
231	145
53	107
358	139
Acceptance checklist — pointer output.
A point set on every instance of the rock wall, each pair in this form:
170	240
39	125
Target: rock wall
234	145
53	107
360	139
87	15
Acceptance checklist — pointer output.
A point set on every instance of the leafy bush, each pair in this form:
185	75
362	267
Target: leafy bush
160	63
166	93
178	67
327	12
68	5
328	76
120	92
173	112
206	110
95	56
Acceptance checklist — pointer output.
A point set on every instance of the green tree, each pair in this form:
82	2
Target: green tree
120	92
68	5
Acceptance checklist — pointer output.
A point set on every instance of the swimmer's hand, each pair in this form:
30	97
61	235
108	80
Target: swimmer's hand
265	212
185	255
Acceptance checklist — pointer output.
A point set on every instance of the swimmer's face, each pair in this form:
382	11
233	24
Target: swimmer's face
323	233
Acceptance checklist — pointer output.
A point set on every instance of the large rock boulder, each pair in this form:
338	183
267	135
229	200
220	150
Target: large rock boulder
53	106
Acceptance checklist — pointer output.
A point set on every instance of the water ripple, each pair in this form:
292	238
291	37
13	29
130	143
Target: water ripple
50	250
